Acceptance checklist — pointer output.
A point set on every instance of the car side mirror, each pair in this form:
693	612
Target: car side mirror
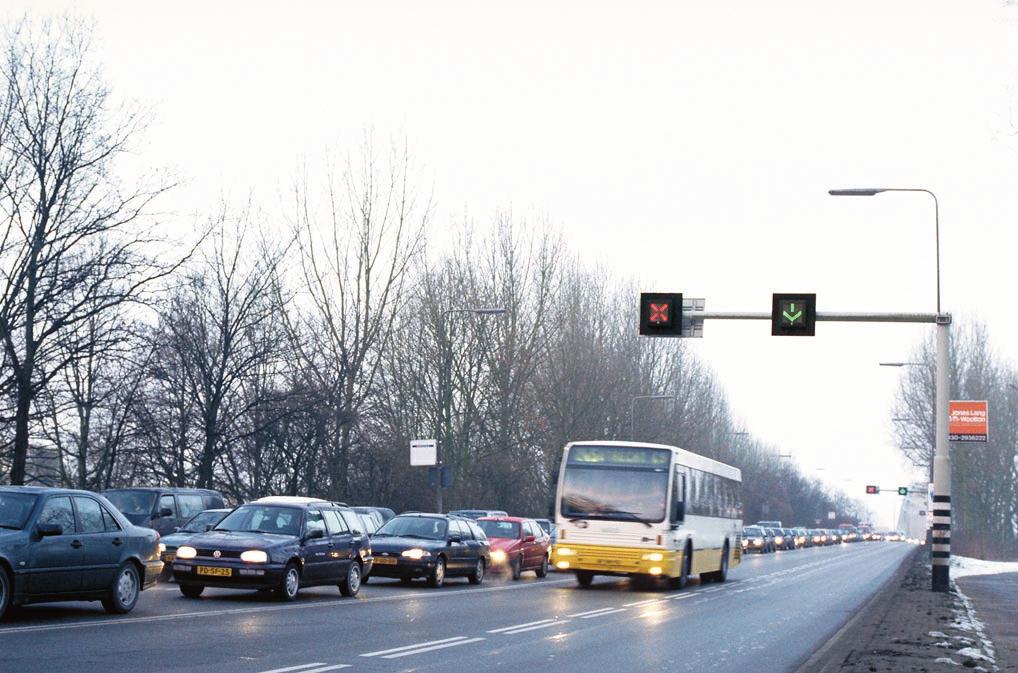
455	539
529	538
315	534
164	512
678	512
49	529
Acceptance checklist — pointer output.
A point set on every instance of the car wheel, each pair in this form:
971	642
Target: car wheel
123	595
406	581
584	578
5	592
192	590
437	576
352	584
543	570
517	567
477	576
289	585
682	580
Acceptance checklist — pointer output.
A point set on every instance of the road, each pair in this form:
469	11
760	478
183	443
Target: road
774	611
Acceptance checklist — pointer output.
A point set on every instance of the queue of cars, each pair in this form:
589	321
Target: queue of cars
61	544
765	537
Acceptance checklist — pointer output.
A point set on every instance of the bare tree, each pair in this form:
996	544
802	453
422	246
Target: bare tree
71	241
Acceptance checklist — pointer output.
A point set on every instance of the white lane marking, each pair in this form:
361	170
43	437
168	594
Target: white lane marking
413	647
537	626
295	668
647	602
325	603
602	614
433	647
681	596
520	626
323	669
589	612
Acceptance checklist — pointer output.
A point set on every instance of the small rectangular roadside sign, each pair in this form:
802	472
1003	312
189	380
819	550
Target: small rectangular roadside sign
423	452
968	421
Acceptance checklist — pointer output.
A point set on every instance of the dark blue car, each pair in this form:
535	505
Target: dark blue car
62	544
277	544
431	546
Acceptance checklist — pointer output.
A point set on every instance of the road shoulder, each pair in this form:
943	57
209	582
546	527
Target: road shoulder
995	598
906	627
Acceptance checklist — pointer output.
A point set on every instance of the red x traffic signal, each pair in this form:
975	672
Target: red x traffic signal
660	314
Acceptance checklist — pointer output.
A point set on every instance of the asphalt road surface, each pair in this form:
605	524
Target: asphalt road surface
773	612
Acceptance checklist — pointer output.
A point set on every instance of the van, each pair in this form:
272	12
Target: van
162	508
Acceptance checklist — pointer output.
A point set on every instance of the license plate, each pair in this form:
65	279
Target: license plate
169	558
385	561
215	572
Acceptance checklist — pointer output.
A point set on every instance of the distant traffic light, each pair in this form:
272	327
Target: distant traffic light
793	314
872	490
660	314
903	490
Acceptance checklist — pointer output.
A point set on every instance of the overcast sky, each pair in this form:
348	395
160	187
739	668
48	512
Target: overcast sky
690	148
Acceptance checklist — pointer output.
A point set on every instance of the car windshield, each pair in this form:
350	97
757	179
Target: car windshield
610	483
199	522
136	505
754	532
503	529
424	527
15	509
263	519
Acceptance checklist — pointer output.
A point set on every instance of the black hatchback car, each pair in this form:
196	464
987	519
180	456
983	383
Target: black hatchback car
61	544
277	544
432	546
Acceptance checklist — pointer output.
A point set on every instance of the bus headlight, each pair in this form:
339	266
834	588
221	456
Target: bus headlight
654	556
186	552
565	551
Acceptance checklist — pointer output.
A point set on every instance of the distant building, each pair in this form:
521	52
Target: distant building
914	517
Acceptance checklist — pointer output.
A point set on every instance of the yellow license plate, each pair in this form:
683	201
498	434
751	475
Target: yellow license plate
168	558
215	572
385	561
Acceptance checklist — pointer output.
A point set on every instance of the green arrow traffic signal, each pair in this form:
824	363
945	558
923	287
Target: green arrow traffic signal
792	317
793	314
903	490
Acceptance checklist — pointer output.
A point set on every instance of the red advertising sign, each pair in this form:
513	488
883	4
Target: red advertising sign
968	421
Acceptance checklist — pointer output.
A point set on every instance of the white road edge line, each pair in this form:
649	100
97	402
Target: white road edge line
539	626
413	647
602	614
433	647
520	626
295	668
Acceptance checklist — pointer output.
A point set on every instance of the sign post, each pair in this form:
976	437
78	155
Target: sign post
968	421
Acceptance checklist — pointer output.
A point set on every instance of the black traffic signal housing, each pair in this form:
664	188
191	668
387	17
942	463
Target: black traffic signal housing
903	490
872	490
793	314
661	314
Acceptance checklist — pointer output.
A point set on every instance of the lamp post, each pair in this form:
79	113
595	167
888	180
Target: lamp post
632	410
445	389
940	550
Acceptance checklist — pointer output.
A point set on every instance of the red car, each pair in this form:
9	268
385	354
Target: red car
517	544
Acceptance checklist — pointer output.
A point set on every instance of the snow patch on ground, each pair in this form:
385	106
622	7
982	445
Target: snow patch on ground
962	566
965	620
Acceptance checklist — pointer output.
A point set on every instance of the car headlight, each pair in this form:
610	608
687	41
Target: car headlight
565	551
254	556
185	552
416	554
758	542
779	540
162	547
654	556
498	556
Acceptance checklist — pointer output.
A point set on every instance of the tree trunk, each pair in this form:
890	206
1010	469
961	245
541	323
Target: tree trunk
24	408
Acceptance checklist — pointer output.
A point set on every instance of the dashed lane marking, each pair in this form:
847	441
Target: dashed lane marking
602	614
295	668
637	604
536	626
589	613
520	626
422	650
317	667
382	653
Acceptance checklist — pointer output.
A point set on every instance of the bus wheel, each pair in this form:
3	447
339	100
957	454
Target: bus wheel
683	578
721	574
584	578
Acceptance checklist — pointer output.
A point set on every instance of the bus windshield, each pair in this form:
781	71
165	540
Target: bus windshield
615	493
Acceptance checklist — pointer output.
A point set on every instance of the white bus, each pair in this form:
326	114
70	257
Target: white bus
627	508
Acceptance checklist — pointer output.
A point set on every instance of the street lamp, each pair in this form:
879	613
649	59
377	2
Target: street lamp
445	390
940	550
632	410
